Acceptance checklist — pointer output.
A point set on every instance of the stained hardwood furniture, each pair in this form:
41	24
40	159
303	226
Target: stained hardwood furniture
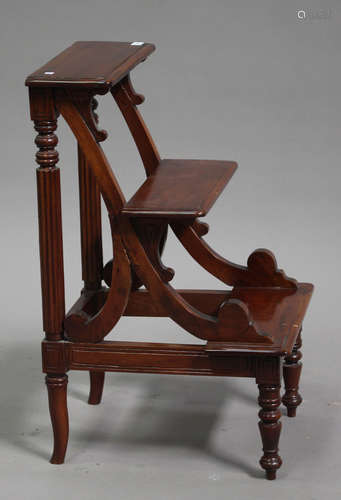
248	329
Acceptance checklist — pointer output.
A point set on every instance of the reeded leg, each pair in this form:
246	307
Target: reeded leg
270	428
96	387
57	391
291	374
91	244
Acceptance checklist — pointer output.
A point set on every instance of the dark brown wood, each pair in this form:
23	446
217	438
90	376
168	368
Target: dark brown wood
248	330
106	180
207	301
57	387
80	326
127	99
180	189
292	372
157	247
151	233
270	428
91	229
91	224
261	270
49	211
146	357
96	387
97	65
140	302
84	101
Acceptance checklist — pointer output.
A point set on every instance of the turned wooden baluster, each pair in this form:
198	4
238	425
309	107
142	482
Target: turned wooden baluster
291	374
270	427
44	115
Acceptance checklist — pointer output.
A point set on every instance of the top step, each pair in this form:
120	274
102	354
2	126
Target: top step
97	65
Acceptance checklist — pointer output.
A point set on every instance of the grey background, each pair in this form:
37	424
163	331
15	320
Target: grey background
236	80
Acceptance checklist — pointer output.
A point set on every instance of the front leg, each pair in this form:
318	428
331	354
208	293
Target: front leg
96	387
57	392
270	428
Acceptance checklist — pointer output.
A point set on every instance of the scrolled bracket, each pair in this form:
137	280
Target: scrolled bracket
86	104
201	228
134	97
263	271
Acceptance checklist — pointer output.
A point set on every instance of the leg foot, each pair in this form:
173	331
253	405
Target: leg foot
291	374
270	475
96	387
56	387
270	428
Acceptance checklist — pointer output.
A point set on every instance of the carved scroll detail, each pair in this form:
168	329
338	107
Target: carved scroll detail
87	104
201	228
261	270
134	97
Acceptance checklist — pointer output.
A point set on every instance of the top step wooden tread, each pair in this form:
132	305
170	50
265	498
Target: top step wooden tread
91	64
180	189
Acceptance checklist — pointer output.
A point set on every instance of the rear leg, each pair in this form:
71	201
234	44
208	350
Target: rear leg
291	372
96	387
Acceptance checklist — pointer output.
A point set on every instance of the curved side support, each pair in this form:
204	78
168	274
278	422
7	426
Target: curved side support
232	321
261	267
109	187
81	327
199	324
126	99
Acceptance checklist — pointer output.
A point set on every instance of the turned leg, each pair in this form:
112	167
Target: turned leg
291	373
44	115
96	387
57	388
270	428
